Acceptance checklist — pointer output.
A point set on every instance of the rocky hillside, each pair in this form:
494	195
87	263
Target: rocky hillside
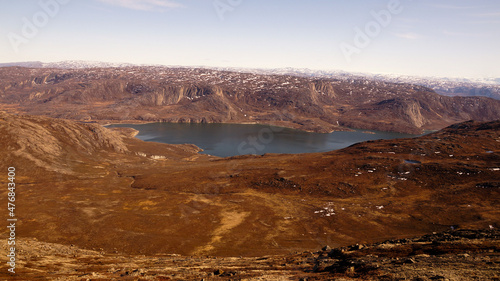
202	95
35	141
452	255
103	190
94	203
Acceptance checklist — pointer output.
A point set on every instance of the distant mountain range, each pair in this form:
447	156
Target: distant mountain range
70	64
198	95
487	87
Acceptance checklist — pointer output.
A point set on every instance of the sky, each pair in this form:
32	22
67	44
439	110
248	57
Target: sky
444	38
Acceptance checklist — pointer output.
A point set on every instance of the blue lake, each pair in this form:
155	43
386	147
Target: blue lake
237	139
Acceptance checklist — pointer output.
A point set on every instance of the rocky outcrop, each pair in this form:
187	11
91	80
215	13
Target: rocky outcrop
452	255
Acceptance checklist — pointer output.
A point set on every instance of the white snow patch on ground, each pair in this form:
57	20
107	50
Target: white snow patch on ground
327	211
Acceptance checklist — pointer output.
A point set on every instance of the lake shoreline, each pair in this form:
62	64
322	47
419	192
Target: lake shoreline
287	125
230	139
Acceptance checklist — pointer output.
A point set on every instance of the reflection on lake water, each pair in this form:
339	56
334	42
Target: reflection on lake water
236	139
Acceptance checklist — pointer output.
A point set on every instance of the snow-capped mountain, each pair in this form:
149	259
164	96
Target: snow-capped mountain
70	64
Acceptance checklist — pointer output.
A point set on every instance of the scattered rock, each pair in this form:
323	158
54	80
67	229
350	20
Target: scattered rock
409	261
336	253
356	247
218	272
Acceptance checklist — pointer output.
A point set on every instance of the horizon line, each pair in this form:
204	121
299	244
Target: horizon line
304	69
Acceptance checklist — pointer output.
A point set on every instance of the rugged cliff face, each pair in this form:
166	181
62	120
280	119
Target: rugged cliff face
201	95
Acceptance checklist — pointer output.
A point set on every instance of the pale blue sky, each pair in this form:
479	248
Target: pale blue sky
454	38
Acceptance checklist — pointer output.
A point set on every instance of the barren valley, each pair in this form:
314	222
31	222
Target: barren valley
96	203
86	187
